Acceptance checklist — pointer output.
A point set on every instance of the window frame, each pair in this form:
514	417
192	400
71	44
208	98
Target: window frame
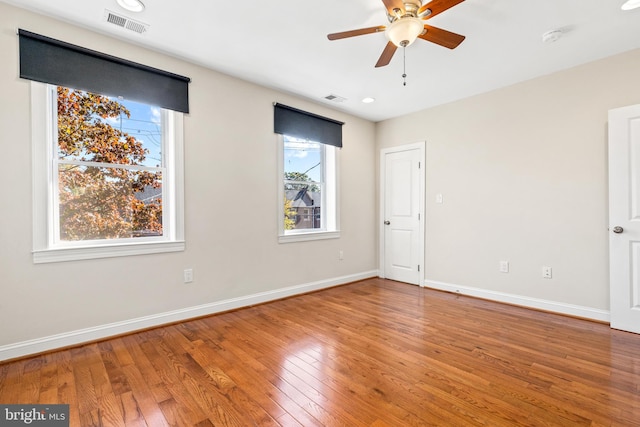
46	247
329	210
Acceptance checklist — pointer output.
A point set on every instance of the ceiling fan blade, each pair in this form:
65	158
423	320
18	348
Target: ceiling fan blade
391	5
353	33
387	54
442	37
436	7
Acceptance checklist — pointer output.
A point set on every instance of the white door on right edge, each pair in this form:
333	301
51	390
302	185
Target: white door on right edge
624	217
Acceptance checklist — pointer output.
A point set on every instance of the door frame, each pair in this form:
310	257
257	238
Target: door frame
421	146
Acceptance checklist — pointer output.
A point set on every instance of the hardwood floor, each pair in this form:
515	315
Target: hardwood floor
373	353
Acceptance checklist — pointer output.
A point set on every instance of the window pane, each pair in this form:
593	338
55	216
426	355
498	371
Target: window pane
97	128
108	203
303	174
302	209
302	160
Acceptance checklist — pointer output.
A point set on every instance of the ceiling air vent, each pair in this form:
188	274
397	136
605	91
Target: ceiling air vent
124	22
335	98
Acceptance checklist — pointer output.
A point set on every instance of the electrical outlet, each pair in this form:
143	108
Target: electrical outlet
504	266
546	272
188	275
341	255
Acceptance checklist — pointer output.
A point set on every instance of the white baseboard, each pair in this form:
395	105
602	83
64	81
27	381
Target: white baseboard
528	302
35	346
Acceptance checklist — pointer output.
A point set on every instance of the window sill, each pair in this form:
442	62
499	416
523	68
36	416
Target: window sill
303	237
106	251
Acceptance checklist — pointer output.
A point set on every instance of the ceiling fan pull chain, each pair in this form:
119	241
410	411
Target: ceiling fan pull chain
404	65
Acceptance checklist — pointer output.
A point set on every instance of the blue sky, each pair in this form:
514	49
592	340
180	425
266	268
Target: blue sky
144	125
301	157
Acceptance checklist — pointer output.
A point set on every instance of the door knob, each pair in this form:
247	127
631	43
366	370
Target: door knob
617	229
387	222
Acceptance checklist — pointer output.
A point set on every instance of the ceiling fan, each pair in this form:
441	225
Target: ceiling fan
406	25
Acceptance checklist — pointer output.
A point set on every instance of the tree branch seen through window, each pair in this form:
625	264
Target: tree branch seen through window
107	187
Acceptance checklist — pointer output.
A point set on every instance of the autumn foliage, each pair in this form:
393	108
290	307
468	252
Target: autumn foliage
102	202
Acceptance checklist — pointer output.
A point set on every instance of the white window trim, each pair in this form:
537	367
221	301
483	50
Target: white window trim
45	250
330	205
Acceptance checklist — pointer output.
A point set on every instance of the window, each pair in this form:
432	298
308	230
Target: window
307	174
308	190
107	176
107	172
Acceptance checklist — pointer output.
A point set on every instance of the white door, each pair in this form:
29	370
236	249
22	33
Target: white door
402	212
624	217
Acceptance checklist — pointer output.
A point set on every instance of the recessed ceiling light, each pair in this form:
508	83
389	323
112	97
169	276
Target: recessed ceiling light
131	5
630	4
368	100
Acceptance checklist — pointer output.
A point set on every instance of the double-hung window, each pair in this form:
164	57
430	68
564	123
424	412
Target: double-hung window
308	176
107	170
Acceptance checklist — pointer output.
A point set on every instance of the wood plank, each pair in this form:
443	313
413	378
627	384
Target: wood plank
48	380
67	385
143	398
110	411
131	412
30	381
172	385
10	382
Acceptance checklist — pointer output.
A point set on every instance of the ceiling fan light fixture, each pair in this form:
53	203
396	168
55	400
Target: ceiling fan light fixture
131	5
630	4
402	32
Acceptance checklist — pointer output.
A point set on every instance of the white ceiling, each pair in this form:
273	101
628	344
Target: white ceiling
282	44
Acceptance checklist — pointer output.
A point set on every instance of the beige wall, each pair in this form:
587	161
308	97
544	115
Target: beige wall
523	174
231	211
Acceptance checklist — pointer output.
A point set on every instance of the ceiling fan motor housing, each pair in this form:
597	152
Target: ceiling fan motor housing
411	8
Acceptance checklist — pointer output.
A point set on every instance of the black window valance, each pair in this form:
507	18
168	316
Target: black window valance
301	124
52	61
